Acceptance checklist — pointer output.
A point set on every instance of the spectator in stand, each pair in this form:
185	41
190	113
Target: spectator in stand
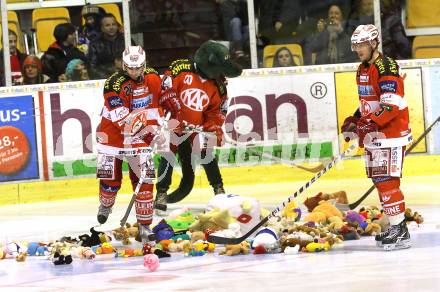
33	71
331	42
319	9
395	43
269	22
90	31
291	13
312	11
235	24
61	52
104	50
364	14
77	71
283	58
92	15
16	58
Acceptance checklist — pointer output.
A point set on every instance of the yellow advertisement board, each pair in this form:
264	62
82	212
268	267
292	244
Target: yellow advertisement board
347	101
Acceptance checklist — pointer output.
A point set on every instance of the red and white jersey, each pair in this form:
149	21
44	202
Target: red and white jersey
200	99
381	97
124	97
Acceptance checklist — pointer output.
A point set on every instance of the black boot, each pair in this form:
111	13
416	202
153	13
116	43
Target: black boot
160	203
398	237
218	189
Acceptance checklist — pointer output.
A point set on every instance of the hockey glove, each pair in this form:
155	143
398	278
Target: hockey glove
217	130
170	103
349	126
365	126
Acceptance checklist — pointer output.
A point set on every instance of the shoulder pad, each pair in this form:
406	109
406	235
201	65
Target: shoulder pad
115	81
181	65
387	67
150	70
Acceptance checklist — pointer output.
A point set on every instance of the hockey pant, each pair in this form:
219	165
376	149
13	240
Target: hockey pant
108	188
384	167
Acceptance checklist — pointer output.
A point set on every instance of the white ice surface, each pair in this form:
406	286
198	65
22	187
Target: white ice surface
357	266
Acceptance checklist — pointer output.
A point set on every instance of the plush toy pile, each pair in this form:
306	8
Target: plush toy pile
323	228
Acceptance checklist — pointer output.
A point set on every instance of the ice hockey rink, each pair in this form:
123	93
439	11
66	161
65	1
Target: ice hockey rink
355	266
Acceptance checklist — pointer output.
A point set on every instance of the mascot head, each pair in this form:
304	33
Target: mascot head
214	61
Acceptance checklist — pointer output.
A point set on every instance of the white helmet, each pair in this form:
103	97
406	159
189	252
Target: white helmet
364	33
133	57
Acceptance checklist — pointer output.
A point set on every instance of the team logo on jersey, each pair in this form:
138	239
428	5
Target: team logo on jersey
194	98
365	108
365	90
386	198
363	78
388	86
115	101
141	102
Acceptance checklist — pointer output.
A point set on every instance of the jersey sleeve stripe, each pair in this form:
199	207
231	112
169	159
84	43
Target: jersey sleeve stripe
394	99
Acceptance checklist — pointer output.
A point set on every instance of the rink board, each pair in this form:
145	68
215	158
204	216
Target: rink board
292	113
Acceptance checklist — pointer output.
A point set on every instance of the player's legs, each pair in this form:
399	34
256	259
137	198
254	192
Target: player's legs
384	166
165	173
188	177
212	171
108	188
144	198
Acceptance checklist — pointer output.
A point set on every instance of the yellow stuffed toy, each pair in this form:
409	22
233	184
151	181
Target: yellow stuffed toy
213	220
291	211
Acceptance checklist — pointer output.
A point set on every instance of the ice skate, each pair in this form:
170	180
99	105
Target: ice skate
145	235
381	236
103	213
398	237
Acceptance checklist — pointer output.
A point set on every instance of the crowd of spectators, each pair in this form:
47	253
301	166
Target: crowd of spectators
175	28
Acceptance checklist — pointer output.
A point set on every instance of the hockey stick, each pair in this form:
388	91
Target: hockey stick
346	207
133	198
268	156
280	160
224	240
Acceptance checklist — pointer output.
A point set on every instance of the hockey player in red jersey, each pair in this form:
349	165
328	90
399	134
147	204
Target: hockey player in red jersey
382	126
130	117
200	90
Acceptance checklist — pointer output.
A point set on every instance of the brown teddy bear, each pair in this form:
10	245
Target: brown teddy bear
339	197
295	239
121	233
416	217
235	249
197	235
